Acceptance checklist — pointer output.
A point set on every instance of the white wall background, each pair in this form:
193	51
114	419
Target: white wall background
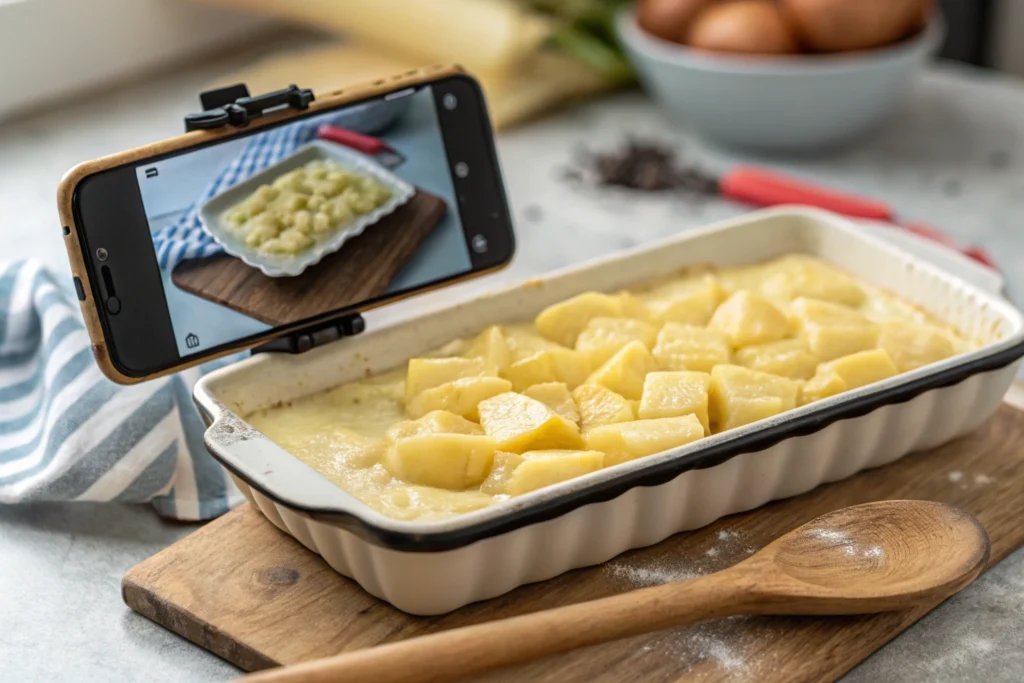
51	49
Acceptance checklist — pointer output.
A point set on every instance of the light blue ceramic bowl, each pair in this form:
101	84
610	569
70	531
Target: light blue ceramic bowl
801	103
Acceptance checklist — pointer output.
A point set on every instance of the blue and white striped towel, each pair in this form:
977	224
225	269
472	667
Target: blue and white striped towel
68	433
187	238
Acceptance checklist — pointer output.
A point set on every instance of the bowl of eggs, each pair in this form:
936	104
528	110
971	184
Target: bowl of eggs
780	75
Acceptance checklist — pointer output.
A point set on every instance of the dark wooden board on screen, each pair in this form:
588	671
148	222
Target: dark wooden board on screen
256	597
362	269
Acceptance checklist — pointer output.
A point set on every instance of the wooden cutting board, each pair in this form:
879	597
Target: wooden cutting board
362	269
254	596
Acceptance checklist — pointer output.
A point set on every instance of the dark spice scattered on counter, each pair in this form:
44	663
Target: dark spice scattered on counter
641	165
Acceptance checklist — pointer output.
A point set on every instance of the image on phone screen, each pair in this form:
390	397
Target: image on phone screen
321	214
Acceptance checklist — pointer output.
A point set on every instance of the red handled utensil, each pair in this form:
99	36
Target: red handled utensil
383	153
761	187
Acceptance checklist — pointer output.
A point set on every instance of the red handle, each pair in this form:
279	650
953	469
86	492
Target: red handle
759	187
357	141
764	188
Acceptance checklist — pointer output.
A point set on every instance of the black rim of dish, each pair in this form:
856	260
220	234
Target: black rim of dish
654	475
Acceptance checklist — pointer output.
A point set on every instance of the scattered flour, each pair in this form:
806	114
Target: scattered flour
963	479
722	642
641	577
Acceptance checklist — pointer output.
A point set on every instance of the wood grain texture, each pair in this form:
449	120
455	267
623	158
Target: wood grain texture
256	597
361	270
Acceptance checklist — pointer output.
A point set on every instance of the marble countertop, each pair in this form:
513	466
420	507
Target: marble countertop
953	157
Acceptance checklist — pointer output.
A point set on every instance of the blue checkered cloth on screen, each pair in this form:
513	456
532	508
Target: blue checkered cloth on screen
68	433
187	238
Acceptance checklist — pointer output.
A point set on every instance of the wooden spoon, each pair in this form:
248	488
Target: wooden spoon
876	557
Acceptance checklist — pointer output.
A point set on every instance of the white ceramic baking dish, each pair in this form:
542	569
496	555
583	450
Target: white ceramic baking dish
435	567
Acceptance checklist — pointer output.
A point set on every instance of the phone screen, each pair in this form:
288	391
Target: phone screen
325	213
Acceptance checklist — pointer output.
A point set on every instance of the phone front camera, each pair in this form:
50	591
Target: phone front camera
462	169
449	101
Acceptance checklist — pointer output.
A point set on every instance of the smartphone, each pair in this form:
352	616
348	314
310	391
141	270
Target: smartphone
216	241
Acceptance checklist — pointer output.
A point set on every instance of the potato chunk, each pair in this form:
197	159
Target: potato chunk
459	397
624	372
599	405
832	330
626	441
691	302
863	368
564	321
802	277
746	318
739	396
824	384
671	394
914	345
520	424
634	307
426	373
436	422
503	466
446	461
554	365
490	345
787	358
555	395
544	468
603	337
687	347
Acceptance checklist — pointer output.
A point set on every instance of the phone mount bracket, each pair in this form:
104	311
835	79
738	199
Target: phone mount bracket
317	335
232	105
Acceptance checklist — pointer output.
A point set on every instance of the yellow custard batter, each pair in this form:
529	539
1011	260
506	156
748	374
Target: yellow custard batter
602	379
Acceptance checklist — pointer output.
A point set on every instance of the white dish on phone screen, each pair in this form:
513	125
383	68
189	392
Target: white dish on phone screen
287	265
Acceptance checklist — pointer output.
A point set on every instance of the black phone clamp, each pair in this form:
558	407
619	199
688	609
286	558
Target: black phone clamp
310	337
232	105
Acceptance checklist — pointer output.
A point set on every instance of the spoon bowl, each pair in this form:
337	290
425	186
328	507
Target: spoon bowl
874	557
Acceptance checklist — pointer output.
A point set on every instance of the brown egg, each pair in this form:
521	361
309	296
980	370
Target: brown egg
668	19
839	25
746	26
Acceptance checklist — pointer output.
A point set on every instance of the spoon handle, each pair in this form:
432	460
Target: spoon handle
474	649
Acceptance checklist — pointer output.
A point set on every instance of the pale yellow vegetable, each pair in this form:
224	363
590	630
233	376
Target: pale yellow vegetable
520	424
603	337
913	345
787	358
832	330
563	322
599	405
688	347
824	384
447	461
671	394
436	422
746	318
624	372
544	468
863	368
554	365
460	396
626	441
555	395
739	396
425	373
492	347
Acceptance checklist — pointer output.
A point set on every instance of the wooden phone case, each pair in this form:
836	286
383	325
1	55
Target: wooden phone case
66	189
